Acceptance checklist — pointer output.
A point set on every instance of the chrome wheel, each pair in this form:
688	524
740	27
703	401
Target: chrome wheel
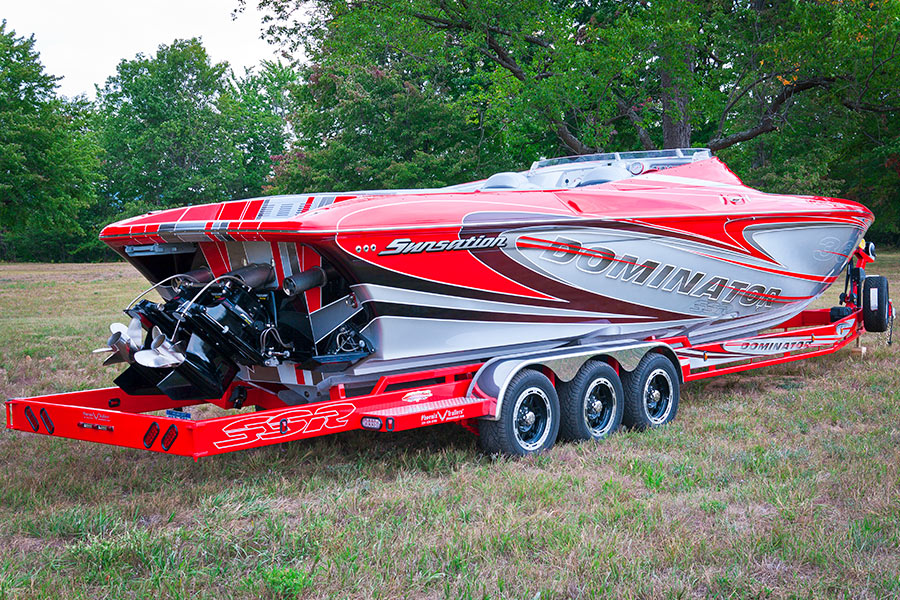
531	413
600	404
658	393
527	419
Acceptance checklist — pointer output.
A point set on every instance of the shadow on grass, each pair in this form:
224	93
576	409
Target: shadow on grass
47	471
792	375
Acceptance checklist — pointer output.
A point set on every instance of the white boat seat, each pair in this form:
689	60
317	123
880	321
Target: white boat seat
507	181
604	174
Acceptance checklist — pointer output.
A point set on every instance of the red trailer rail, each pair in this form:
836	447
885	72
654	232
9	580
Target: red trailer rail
809	334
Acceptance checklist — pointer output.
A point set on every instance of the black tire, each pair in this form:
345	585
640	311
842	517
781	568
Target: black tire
875	303
591	405
529	417
651	393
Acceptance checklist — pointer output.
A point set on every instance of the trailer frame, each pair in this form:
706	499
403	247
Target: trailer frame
398	402
464	393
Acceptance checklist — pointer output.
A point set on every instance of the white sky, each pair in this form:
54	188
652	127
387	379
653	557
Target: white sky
84	41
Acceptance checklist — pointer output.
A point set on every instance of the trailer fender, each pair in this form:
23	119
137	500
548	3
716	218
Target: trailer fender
494	376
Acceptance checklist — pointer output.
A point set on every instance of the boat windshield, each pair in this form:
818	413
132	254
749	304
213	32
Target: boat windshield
682	155
592	169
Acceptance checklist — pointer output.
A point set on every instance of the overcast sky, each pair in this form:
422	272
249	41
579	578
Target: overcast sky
84	41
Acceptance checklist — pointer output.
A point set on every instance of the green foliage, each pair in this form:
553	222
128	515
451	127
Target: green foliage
179	129
370	128
287	582
797	96
166	130
49	160
258	107
604	73
799	93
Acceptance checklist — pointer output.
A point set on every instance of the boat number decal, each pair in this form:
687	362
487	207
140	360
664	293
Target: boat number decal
284	424
829	247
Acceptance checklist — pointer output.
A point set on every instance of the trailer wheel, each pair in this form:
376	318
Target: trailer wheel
529	417
875	303
591	405
651	393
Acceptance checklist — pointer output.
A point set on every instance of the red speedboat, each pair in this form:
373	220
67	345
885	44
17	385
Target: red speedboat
343	287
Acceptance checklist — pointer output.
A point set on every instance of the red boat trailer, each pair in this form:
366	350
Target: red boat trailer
398	402
110	416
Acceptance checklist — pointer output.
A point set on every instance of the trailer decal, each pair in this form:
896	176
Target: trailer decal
440	416
286	424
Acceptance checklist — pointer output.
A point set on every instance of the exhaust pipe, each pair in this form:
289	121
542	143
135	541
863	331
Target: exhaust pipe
303	281
254	276
203	275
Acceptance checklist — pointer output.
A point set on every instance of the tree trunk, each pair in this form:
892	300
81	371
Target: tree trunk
675	119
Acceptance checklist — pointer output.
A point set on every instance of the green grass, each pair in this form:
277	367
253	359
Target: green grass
780	482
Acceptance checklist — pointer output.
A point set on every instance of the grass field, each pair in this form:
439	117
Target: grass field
781	482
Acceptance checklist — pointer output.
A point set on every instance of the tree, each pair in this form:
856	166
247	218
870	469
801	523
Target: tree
372	128
791	92
179	129
49	161
162	131
713	72
257	108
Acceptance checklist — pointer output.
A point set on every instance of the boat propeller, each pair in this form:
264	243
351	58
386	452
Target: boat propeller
124	342
162	353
